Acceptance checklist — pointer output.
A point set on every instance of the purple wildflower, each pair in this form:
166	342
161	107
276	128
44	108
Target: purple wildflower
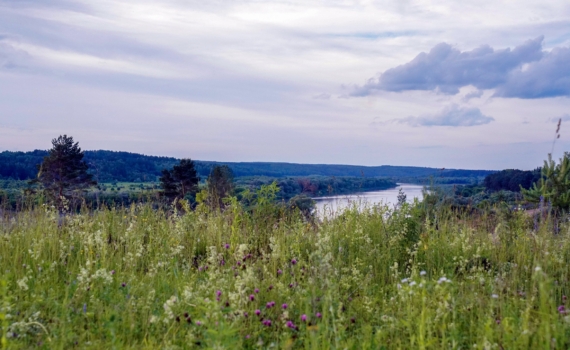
198	323
227	246
112	272
267	323
251	297
256	290
268	305
223	262
319	315
270	287
279	272
304	318
245	314
123	284
293	261
258	312
218	293
247	336
290	324
561	310
284	306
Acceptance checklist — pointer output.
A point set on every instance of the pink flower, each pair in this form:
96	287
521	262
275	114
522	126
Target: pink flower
258	312
284	306
256	290
227	246
319	315
304	318
293	261
251	297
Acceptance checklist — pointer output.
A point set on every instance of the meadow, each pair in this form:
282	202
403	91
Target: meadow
415	277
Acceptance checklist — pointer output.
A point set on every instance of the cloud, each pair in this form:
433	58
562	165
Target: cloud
473	94
549	77
524	72
452	115
563	117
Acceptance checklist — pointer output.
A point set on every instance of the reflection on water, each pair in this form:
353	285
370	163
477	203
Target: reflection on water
335	204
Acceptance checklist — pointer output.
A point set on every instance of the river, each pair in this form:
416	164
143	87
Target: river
334	204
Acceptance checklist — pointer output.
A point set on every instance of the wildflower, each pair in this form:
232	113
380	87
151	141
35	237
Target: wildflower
304	318
178	319
112	272
561	310
293	261
188	319
84	308
353	320
247	336
494	296
413	283
251	297
223	262
270	287
537	269
123	284
258	312
405	280
218	293
256	290
239	263
564	298
284	306
497	321
198	323
423	273
227	304
245	314
291	325
279	272
319	315
290	285
227	246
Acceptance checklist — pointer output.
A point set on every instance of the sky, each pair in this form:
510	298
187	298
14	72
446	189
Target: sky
455	84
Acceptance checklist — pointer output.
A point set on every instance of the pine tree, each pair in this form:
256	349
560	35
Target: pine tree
220	185
180	181
63	173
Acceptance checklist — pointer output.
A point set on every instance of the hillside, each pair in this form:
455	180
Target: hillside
110	166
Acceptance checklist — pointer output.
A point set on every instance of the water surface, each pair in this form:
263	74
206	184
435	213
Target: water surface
335	204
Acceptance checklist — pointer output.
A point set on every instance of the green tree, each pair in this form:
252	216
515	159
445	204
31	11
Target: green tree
181	181
63	173
220	185
554	185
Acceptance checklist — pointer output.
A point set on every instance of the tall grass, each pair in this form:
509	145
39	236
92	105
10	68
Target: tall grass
377	278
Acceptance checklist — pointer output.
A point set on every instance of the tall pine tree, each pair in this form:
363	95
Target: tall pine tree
63	172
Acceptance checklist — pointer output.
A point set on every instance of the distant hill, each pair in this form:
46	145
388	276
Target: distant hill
108	166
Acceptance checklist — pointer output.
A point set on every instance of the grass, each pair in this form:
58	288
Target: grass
412	278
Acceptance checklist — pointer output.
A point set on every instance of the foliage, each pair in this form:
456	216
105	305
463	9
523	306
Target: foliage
108	166
374	278
63	172
511	180
554	185
220	185
181	181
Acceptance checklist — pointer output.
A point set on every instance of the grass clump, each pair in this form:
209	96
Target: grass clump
374	278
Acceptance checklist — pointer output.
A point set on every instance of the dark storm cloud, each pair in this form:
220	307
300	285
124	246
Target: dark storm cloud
524	72
453	115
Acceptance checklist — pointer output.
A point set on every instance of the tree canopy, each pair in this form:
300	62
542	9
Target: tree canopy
63	172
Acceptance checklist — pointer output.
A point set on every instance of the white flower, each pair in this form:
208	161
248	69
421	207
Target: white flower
537	269
423	273
413	283
494	296
405	280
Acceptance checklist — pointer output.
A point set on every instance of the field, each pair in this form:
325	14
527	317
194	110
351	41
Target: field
413	278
